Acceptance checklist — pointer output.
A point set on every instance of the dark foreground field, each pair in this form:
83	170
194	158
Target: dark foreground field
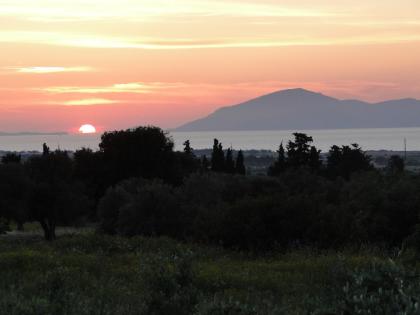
85	273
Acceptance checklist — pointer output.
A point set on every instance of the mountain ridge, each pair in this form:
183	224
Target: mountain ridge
303	109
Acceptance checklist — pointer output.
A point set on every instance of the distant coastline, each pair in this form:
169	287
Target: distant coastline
30	133
368	139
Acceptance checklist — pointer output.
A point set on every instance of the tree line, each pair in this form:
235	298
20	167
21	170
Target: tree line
137	184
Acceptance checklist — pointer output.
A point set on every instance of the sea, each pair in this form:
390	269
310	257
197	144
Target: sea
391	139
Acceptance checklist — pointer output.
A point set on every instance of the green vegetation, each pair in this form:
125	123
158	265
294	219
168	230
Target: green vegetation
86	273
298	208
175	234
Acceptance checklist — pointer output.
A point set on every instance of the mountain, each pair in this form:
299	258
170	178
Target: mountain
299	109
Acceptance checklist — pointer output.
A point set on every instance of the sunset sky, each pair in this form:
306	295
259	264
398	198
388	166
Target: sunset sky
118	64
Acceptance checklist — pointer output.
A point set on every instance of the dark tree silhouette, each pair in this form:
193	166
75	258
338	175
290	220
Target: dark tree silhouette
240	163
185	163
279	165
141	152
14	188
315	162
395	165
11	158
54	197
345	160
89	169
45	149
300	154
217	157
187	148
299	150
229	163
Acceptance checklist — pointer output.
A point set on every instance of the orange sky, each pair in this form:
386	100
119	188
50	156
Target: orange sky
118	64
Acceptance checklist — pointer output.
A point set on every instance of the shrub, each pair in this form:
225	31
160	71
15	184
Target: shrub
140	207
4	226
152	211
168	284
229	306
386	289
109	208
298	207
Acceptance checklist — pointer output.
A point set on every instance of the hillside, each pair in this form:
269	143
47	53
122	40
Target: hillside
299	109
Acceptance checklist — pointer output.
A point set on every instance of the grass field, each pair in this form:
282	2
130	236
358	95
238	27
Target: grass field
85	273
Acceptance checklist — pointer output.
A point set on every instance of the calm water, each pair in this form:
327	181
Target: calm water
369	139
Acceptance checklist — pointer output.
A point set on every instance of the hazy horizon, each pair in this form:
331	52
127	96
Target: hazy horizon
298	91
389	139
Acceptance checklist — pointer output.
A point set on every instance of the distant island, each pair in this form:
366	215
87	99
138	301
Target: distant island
300	109
30	133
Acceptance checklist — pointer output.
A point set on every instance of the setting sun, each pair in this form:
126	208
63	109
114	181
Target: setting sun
87	129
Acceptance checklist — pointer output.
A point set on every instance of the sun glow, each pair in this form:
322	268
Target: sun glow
87	128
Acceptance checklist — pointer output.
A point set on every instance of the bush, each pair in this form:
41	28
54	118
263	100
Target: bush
140	207
168	284
4	226
109	209
229	306
297	208
152	211
386	289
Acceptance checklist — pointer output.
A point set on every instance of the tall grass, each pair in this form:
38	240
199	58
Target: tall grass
96	274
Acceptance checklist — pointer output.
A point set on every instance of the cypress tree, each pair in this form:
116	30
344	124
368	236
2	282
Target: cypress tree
281	159
214	155
298	151
314	159
280	164
240	165
217	157
45	149
229	163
